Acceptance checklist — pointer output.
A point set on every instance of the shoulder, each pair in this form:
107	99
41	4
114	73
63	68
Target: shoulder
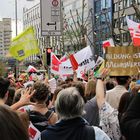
92	102
99	134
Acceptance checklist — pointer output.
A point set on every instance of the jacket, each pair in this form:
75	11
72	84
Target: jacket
130	122
73	129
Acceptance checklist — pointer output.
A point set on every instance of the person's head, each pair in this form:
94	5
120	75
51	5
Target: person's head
4	85
69	80
41	92
123	80
69	103
109	85
125	100
11	95
18	94
80	87
57	90
11	127
90	89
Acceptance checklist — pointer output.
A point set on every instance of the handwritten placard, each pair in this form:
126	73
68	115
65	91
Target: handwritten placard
123	60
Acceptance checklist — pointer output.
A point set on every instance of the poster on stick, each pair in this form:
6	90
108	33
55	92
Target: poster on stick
123	60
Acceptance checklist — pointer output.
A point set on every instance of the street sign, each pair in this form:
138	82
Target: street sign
50	17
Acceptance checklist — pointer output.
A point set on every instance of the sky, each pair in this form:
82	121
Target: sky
7	10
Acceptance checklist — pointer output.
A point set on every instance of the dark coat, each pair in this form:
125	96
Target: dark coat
73	129
130	122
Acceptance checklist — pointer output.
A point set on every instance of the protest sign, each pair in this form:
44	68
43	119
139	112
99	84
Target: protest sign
85	61
123	60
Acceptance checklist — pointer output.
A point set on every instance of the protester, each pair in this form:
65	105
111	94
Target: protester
92	112
130	122
81	88
69	107
58	89
113	96
11	127
109	85
108	115
90	89
39	113
11	95
4	85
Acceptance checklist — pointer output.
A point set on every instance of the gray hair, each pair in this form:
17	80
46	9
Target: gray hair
69	103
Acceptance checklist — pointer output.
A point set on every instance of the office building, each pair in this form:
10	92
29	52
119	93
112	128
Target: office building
121	9
5	36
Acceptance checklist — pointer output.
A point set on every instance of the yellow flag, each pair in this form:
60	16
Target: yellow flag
24	45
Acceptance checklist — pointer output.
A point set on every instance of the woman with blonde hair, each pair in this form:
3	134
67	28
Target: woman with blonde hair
90	89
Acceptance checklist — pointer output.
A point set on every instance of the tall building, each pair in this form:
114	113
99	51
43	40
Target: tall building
31	17
5	36
102	18
97	18
75	20
121	9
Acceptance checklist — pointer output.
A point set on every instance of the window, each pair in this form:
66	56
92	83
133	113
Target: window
97	6
126	37
120	5
115	7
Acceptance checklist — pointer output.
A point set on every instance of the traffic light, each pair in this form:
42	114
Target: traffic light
48	53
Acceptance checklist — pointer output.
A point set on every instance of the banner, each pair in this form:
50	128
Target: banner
34	133
54	64
134	29
123	60
24	45
108	43
85	60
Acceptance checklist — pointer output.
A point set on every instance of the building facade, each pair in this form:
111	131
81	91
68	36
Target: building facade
102	17
97	18
122	9
5	36
31	17
75	21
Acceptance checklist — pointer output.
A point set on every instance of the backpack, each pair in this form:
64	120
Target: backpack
39	120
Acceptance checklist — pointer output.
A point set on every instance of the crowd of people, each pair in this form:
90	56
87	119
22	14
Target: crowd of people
97	108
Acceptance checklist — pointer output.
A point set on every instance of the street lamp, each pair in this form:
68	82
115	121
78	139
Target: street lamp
16	16
16	64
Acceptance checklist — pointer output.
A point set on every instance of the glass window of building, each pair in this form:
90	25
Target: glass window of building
126	37
97	6
120	5
105	4
115	7
124	21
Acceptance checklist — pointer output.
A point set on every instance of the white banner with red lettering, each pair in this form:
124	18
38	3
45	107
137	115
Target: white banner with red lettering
84	58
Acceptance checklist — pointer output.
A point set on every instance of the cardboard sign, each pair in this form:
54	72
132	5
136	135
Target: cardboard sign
123	60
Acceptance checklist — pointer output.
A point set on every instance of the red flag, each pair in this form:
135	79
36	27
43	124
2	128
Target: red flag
54	63
73	61
32	132
108	43
31	69
136	41
134	29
